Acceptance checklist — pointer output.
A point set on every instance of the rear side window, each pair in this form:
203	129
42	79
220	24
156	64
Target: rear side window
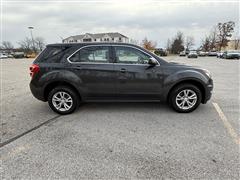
51	54
95	54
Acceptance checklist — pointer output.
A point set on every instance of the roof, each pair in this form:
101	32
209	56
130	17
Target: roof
98	35
90	43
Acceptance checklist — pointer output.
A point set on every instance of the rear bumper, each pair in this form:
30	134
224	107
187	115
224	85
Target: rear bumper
37	92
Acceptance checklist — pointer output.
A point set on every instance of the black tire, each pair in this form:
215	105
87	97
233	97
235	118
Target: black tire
70	92
180	88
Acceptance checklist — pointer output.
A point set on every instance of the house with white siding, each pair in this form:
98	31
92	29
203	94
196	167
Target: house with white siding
99	37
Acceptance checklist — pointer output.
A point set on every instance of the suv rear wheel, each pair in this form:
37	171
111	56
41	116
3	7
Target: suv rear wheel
185	98
63	100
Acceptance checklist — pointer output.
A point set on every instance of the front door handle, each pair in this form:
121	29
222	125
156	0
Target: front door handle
78	67
123	70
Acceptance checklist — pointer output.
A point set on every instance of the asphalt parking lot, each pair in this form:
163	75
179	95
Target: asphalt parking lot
120	140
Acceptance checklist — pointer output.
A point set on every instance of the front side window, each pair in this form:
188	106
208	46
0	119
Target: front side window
95	54
128	55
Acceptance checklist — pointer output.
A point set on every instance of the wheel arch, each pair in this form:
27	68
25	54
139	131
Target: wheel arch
190	81
54	84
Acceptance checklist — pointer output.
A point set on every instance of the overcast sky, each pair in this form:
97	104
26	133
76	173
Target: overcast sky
157	21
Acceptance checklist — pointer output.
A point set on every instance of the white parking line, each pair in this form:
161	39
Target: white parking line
227	124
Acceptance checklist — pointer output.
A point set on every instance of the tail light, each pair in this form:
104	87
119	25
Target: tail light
34	69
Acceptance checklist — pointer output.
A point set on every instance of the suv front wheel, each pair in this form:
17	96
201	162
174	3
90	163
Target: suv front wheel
185	98
63	100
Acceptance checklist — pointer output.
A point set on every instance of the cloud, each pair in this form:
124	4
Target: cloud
136	19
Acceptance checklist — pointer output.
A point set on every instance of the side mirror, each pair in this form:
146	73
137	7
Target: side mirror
152	62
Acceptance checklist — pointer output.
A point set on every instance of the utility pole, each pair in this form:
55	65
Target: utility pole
31	28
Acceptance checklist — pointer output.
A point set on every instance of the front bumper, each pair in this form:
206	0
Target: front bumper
208	91
192	56
234	56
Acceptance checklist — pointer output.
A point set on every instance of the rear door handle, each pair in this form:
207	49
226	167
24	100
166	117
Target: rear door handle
123	70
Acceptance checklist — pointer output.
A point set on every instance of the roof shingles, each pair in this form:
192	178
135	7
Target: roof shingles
97	35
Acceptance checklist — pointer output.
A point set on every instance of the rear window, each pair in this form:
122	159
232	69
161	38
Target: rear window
51	54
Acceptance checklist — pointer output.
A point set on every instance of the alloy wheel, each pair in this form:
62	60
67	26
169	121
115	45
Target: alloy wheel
62	101
186	99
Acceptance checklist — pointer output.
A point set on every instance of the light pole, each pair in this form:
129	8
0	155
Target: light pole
31	28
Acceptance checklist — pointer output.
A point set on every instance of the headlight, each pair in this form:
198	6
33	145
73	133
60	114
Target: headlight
207	72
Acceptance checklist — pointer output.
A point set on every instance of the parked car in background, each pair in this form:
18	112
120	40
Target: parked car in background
67	74
18	54
192	54
220	54
202	53
160	52
10	56
3	56
212	53
183	53
187	51
231	55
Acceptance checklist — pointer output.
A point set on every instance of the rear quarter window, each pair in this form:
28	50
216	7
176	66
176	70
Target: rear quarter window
51	54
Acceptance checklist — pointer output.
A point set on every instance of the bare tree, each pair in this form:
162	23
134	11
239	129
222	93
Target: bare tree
177	43
213	39
168	45
39	41
26	45
189	42
6	45
148	44
237	43
225	31
206	44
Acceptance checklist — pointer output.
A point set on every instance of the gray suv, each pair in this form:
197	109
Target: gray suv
67	74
